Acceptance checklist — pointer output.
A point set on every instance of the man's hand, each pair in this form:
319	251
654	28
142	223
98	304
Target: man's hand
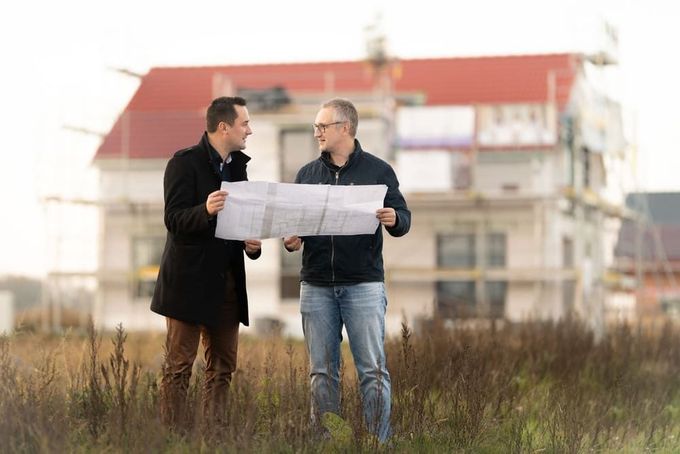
386	216
292	243
215	202
252	246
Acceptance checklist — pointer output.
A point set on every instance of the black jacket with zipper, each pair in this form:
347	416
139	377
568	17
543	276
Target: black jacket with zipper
351	259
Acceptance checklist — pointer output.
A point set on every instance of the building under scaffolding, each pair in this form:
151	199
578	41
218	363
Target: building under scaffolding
509	165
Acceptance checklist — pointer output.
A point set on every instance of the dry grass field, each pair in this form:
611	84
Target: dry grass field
535	387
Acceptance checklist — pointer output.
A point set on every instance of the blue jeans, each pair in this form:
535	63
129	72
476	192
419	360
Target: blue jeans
361	308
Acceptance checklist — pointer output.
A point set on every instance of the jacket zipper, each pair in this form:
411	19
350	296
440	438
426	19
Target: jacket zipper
337	176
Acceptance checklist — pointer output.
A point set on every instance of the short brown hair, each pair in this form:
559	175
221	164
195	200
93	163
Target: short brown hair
222	109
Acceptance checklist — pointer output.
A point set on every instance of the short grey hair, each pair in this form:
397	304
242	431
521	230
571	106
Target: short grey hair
344	111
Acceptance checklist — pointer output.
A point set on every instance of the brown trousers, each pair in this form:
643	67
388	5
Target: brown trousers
220	343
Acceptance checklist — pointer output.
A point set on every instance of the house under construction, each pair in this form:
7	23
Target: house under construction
511	167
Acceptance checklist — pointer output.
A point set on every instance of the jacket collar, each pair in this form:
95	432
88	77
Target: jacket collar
352	158
238	160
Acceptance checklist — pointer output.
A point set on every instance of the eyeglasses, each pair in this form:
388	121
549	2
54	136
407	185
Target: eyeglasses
322	127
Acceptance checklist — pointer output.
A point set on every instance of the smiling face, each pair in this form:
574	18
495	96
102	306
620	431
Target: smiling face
329	130
236	134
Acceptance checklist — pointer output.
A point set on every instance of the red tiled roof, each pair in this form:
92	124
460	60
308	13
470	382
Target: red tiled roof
167	111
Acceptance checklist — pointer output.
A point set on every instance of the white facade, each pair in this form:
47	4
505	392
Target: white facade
514	228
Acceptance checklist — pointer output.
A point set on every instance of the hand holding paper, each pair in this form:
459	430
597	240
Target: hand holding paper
258	210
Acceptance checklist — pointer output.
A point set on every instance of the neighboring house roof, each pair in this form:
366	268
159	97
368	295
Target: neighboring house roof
658	207
660	235
168	109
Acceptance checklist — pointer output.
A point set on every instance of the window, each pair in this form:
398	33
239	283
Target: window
456	250
298	147
495	295
460	299
456	299
670	304
586	167
291	263
146	259
496	290
495	250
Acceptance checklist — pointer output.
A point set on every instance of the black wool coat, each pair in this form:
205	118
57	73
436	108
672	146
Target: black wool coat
192	277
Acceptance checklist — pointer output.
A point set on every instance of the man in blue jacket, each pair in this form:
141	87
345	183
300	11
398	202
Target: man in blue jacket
342	277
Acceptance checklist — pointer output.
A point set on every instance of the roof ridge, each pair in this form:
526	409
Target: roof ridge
341	62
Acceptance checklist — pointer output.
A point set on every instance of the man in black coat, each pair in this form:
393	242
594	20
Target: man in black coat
201	286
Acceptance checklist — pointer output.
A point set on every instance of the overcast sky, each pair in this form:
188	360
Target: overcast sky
58	58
